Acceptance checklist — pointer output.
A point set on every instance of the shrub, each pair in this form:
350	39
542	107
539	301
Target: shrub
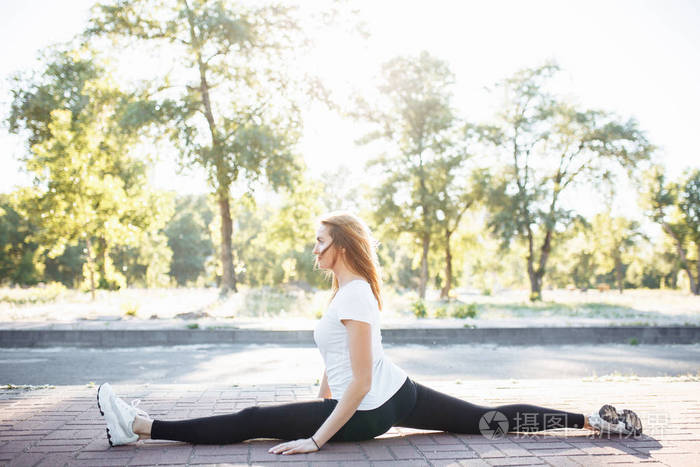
463	311
634	341
193	326
441	312
419	309
130	308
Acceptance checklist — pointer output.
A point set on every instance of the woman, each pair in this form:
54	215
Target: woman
362	393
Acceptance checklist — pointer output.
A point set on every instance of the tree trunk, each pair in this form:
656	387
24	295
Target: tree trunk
103	253
445	292
536	276
618	273
228	278
424	266
91	267
535	286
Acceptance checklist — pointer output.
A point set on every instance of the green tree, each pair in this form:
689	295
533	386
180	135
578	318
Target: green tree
552	146
293	230
237	114
413	115
188	238
454	191
87	186
615	239
17	253
676	207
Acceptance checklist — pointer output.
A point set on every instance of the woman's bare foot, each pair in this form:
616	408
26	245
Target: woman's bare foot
142	427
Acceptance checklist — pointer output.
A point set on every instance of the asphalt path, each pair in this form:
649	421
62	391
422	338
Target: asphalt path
270	364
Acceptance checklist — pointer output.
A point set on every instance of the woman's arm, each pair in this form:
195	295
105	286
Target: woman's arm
360	346
324	392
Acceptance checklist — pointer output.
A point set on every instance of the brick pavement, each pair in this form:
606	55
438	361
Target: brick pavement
62	426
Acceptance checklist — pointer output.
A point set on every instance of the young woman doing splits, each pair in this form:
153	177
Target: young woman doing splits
362	393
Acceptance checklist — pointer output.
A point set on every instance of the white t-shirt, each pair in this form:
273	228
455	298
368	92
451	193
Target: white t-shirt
356	301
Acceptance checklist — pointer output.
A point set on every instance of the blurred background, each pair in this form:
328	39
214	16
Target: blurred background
513	159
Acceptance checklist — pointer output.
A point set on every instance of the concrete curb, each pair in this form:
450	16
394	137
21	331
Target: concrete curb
436	336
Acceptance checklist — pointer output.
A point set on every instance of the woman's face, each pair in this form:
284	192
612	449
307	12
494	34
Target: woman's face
323	248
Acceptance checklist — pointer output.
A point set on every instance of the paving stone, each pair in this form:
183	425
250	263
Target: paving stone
159	455
56	459
561	461
474	463
377	453
430	455
406	463
514	450
27	459
487	450
62	426
445	463
516	461
406	452
219	459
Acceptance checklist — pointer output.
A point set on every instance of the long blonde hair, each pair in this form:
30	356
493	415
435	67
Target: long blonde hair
351	233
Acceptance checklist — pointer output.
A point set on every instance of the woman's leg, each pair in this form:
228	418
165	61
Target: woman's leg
437	411
283	421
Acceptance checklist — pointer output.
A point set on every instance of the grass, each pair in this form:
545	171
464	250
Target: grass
633	308
622	377
33	295
594	310
27	387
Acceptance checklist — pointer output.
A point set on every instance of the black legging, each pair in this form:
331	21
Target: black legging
413	406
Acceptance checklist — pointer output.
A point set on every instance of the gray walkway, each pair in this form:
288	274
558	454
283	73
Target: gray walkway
274	364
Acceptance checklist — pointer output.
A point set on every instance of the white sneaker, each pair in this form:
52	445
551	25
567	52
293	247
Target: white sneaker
608	420
119	416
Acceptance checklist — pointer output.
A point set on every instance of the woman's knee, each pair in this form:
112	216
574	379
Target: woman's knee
247	414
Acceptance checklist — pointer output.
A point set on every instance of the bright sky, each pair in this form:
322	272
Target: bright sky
637	58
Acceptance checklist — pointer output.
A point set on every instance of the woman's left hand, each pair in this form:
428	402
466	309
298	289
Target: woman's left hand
294	447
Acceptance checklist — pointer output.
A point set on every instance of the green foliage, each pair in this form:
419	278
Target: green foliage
413	114
221	118
463	311
130	308
419	309
551	146
676	207
17	252
193	326
440	312
189	239
604	250
87	186
633	341
42	294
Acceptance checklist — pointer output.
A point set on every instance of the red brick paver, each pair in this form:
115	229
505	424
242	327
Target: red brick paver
62	426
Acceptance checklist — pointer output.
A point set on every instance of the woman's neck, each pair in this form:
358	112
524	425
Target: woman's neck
344	274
